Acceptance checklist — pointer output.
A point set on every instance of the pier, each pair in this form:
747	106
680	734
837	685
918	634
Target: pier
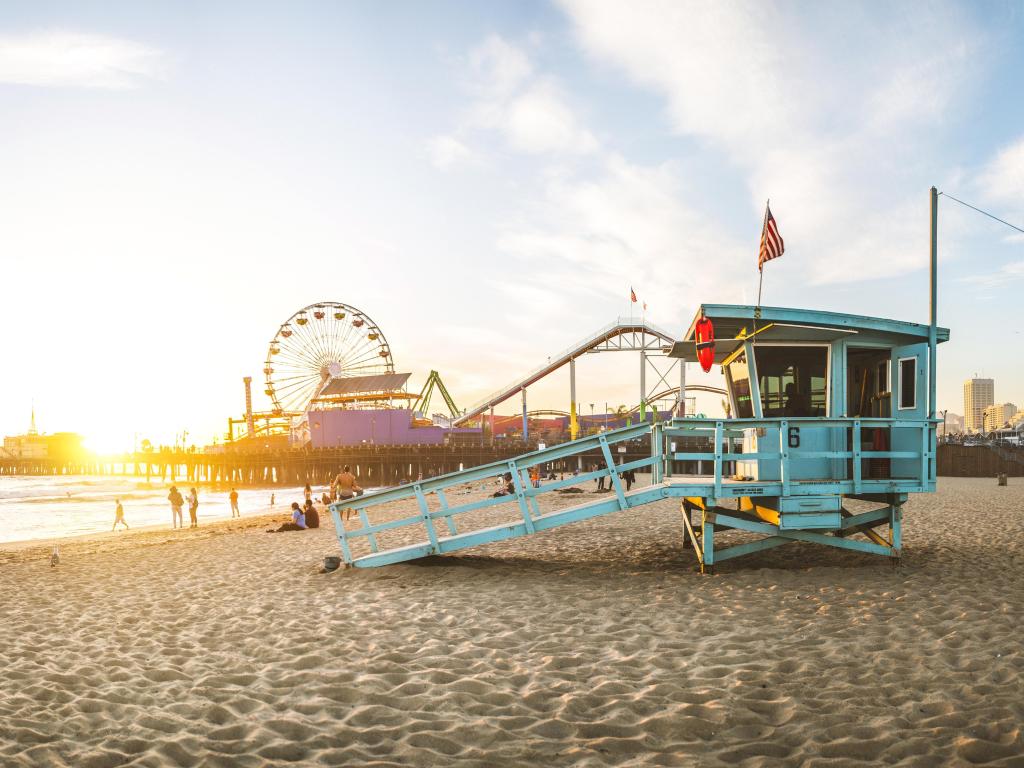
374	466
380	465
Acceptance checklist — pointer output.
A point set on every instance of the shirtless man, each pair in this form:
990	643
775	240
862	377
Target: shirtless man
345	487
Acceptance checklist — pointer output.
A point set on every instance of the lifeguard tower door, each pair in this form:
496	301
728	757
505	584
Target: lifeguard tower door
909	379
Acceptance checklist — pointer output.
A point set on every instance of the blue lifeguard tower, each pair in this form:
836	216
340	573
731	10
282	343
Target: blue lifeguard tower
830	427
824	409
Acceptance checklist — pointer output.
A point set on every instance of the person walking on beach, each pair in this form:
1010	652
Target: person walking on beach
630	477
308	492
271	499
233	496
177	521
345	486
119	516
193	507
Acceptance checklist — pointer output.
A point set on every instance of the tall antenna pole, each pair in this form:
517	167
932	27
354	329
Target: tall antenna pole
760	266
933	304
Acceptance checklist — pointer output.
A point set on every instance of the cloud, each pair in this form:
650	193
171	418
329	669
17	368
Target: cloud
627	224
498	68
76	60
1010	272
530	112
1002	179
539	121
772	91
446	151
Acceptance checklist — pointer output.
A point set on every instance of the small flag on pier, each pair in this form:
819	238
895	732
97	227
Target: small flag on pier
632	295
771	241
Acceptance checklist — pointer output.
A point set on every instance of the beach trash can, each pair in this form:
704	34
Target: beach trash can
332	563
1002	479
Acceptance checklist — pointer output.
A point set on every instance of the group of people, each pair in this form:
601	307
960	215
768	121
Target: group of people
507	486
306	516
344	486
628	477
302	518
177	519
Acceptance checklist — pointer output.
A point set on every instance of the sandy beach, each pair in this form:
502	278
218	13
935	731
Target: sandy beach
597	644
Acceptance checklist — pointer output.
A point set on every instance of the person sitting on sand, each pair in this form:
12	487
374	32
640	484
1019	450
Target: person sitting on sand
298	522
312	516
119	515
345	486
233	496
177	521
509	487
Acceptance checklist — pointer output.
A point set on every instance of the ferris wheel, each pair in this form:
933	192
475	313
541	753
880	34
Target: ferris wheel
324	340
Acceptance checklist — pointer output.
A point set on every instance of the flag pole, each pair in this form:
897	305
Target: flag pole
760	264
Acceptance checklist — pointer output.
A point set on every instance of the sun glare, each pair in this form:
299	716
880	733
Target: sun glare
105	444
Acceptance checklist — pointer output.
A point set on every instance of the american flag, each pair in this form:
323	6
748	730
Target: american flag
632	295
771	241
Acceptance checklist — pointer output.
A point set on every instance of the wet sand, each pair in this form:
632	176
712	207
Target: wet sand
595	644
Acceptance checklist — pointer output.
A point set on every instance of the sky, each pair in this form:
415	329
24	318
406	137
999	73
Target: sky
486	181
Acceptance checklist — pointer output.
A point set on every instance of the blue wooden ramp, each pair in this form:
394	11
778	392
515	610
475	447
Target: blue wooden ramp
698	461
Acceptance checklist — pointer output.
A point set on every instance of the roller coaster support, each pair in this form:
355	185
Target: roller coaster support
574	424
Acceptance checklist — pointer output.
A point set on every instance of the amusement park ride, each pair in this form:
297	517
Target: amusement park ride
331	356
832	427
326	355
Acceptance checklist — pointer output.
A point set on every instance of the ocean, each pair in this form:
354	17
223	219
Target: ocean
55	507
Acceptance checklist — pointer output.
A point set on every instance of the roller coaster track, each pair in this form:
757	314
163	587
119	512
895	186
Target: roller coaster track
625	334
665	394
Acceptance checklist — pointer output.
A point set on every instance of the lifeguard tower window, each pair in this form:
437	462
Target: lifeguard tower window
737	375
867	383
793	380
908	382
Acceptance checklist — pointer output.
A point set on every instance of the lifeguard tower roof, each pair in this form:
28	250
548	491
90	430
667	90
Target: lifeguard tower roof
736	323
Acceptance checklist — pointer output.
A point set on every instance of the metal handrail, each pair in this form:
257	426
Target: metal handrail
725	429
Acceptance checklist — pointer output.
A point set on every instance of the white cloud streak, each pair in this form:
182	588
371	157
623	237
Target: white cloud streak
1002	179
1007	273
771	90
448	151
530	112
62	59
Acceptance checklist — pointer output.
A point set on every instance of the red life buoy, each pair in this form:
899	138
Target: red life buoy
704	338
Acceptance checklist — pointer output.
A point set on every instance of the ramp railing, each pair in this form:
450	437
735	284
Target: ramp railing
435	508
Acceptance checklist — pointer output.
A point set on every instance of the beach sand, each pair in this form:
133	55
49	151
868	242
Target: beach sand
595	644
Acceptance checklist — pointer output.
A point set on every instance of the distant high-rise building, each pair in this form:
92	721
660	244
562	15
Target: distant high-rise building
997	416
979	394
